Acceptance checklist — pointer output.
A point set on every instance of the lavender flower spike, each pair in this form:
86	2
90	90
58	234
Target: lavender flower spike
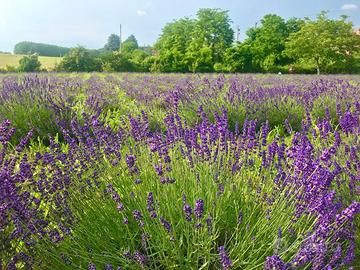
199	209
224	259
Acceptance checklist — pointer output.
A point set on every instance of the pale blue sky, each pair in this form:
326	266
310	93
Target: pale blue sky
89	22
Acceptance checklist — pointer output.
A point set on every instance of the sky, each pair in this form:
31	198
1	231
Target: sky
89	22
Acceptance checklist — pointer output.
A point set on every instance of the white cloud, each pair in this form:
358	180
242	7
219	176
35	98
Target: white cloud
349	7
141	12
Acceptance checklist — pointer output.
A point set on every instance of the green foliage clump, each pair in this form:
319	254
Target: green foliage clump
29	63
329	45
117	62
79	59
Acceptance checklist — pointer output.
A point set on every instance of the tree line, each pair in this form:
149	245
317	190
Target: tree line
28	48
206	44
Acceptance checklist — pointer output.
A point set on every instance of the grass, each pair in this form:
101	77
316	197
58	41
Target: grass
13	60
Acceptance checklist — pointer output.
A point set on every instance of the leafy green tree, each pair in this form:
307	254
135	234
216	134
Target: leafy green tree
268	41
294	25
238	58
211	37
200	58
79	59
172	45
29	63
325	43
138	58
194	45
129	45
117	62
113	43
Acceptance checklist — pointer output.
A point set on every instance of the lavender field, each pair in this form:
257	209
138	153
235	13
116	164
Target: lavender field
136	171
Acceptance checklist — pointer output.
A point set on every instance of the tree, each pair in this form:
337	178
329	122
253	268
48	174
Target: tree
238	58
138	58
29	63
113	43
324	43
79	59
117	62
172	45
200	58
267	42
212	35
129	45
194	45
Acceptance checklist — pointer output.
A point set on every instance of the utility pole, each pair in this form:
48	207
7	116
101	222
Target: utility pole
238	33
120	38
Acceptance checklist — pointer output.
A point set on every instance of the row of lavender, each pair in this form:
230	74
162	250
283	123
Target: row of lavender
198	195
45	100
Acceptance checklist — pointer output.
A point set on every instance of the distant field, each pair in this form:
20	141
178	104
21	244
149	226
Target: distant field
13	60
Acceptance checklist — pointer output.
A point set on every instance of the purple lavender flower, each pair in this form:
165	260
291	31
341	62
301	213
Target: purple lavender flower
224	259
274	263
150	202
336	256
108	267
348	213
137	181
127	254
91	266
139	218
153	214
140	258
188	212
159	169
166	225
130	162
120	207
199	209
